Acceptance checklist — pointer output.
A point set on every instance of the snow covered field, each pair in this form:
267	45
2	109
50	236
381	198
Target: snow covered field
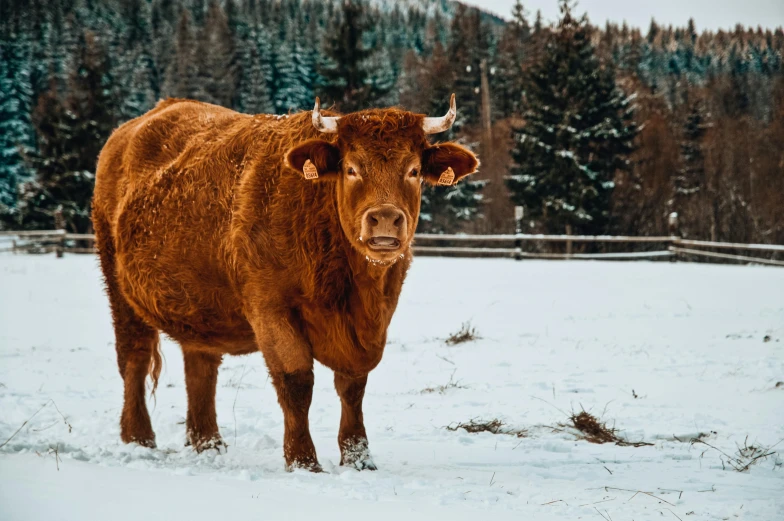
665	352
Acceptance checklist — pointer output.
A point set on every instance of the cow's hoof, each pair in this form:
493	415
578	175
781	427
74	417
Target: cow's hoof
357	455
308	462
310	466
144	442
214	443
366	463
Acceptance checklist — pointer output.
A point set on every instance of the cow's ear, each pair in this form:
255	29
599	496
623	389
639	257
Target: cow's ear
315	159
446	164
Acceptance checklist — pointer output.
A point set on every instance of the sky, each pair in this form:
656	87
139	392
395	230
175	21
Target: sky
707	14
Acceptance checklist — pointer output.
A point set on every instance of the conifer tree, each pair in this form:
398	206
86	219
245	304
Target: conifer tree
71	133
346	67
253	91
294	74
578	133
690	178
507	83
134	68
164	19
215	59
16	131
181	76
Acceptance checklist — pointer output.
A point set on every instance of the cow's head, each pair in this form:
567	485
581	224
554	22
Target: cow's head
379	161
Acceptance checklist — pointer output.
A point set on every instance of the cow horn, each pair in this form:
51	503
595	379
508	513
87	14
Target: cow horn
328	125
436	125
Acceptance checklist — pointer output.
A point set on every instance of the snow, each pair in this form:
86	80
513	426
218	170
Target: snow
689	340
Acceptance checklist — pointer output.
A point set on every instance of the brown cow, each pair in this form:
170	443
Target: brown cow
285	234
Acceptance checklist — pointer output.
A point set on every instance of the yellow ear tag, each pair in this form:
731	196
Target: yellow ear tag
309	169
447	177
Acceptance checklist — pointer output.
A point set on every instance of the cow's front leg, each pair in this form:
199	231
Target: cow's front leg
289	359
352	439
201	378
295	391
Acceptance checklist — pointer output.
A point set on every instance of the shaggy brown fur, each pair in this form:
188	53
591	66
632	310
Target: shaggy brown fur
208	231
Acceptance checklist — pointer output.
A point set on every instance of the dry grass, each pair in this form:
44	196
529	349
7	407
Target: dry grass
65	420
442	389
467	333
593	430
745	456
494	426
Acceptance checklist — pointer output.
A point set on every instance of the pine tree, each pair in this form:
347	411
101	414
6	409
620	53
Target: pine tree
163	27
295	90
215	59
71	133
346	67
467	47
445	209
578	133
381	83
253	91
181	75
134	69
16	131
507	82
690	179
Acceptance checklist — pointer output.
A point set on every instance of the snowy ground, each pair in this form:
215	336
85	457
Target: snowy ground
688	340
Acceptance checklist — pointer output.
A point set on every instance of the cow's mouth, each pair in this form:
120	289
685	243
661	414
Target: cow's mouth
383	243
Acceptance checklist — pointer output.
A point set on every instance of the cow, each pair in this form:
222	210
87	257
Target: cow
290	235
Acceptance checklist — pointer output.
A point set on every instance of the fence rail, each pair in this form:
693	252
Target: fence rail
59	241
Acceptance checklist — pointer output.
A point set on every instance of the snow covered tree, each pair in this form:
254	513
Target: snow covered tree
578	133
294	74
690	179
348	79
425	86
163	27
134	67
380	84
468	46
71	133
181	74
253	93
445	209
507	83
215	59
16	131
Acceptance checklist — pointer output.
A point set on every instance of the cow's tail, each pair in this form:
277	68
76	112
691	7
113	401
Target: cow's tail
156	364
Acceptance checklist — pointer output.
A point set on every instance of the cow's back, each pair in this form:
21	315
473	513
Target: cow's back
164	184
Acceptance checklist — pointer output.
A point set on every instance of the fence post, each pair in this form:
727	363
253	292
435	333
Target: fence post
519	214
59	224
674	229
568	241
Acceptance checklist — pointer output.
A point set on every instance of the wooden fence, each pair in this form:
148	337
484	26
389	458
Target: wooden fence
516	246
505	246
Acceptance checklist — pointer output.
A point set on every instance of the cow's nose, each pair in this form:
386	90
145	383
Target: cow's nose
385	227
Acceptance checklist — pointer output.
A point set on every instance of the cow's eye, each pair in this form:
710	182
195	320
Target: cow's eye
414	172
351	171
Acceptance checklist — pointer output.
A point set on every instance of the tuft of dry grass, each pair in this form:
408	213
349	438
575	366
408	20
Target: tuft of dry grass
593	430
442	389
745	457
467	333
494	426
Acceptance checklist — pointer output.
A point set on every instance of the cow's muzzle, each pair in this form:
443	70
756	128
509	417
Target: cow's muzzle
384	228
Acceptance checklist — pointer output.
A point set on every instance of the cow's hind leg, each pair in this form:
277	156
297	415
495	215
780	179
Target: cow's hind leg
136	344
352	438
201	378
